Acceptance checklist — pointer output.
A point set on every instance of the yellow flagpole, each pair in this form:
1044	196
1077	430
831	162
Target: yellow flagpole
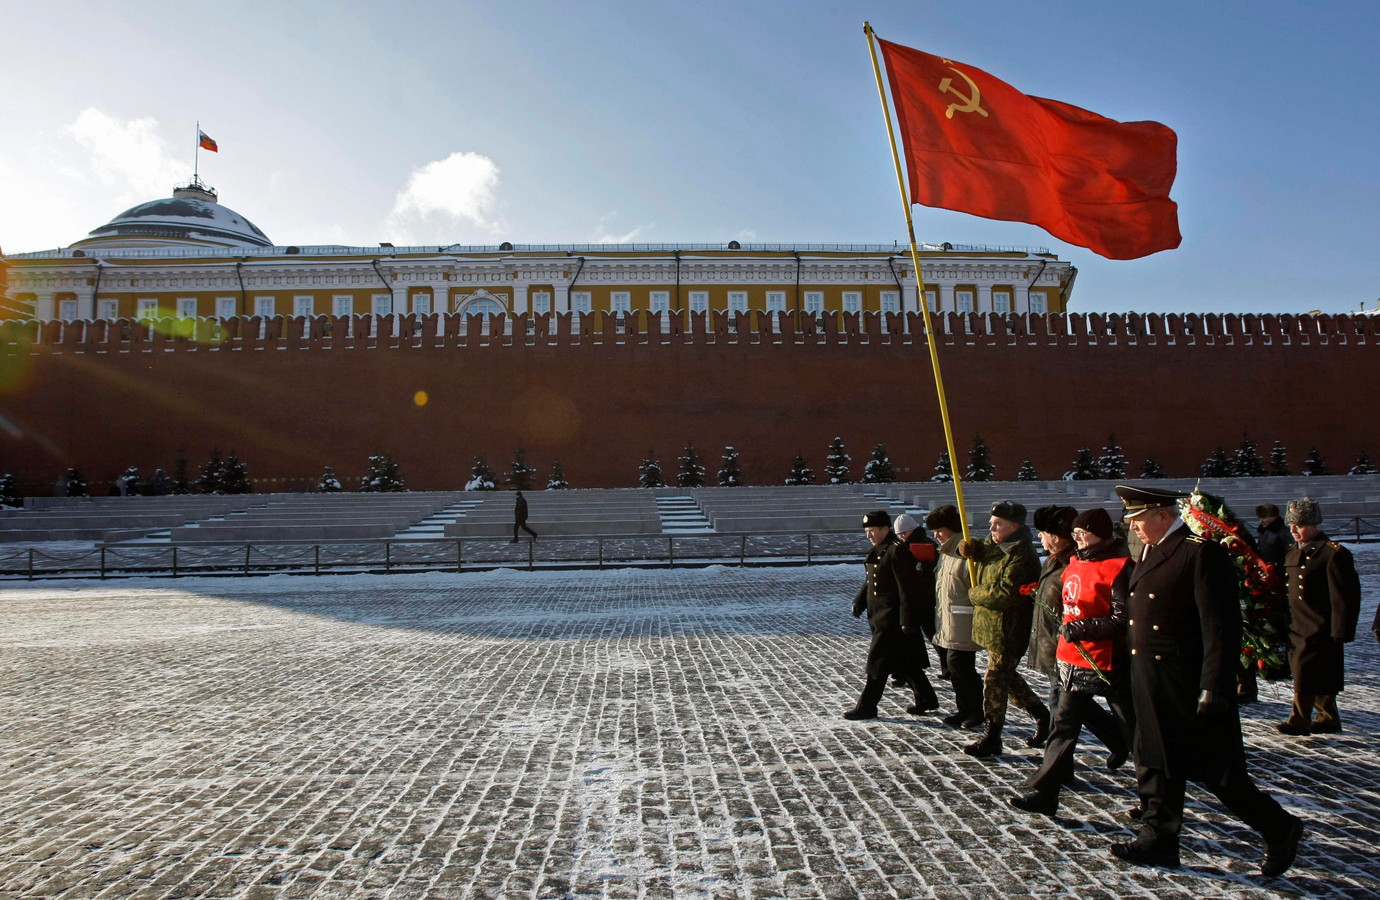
920	295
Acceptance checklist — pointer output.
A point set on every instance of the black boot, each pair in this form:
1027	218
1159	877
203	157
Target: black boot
1037	740
987	745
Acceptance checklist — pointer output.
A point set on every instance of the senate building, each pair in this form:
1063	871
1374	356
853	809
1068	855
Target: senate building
190	256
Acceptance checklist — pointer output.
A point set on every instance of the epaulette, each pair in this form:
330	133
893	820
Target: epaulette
1335	546
1193	538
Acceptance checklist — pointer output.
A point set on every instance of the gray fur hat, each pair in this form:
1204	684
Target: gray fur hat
1304	511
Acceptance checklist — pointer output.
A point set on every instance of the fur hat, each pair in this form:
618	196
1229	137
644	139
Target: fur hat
904	523
1009	510
1266	511
1055	520
944	517
1304	511
1095	521
877	519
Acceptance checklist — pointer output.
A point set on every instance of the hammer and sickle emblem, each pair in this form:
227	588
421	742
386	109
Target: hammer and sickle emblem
971	102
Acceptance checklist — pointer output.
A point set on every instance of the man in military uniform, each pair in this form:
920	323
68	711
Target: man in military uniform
1184	633
894	601
1324	606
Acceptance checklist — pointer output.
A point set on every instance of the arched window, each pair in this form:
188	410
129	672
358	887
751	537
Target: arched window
485	307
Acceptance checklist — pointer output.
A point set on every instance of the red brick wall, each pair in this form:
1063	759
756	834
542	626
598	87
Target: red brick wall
105	397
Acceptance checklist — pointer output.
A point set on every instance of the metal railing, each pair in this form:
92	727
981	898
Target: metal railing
449	555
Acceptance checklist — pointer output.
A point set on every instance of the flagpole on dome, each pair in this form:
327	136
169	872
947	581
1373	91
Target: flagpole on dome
196	154
922	300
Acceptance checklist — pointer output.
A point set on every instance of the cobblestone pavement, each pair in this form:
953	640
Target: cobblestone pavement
586	734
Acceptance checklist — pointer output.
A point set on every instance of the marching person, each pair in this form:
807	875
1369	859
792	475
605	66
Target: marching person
1002	613
1184	633
1092	656
1054	524
1324	606
520	518
926	555
954	618
893	598
1273	543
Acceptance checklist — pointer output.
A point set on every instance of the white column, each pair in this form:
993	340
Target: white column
1020	300
520	304
984	298
440	297
946	297
909	295
400	301
562	298
43	306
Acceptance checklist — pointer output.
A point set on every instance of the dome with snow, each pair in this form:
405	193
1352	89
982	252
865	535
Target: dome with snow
191	216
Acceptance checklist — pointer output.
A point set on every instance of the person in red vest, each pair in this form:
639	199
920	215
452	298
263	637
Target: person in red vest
1091	655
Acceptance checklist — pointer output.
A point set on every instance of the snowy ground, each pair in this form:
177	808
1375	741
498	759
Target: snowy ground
613	734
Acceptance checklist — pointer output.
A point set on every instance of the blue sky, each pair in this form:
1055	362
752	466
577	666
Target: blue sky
554	122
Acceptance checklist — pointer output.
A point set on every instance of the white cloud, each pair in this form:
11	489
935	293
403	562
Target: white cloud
603	235
130	157
451	199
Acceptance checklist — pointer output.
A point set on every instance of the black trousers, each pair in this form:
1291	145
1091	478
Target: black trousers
1162	798
920	686
1075	709
967	683
523	526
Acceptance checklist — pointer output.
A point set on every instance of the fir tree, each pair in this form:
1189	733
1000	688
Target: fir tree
520	477
943	471
329	484
212	475
730	470
76	484
9	491
649	472
129	482
1112	462
1218	465
1152	469
180	482
1027	471
691	473
482	478
879	469
980	466
1314	464
1246	461
162	485
1279	459
801	473
836	464
557	480
1084	467
1364	465
235	476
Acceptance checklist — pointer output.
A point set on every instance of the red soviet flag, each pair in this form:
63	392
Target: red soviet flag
977	145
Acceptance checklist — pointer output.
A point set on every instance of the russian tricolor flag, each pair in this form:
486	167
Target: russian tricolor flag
205	141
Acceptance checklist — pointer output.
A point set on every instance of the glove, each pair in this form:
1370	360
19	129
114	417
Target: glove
909	630
965	549
1211	703
859	609
1073	631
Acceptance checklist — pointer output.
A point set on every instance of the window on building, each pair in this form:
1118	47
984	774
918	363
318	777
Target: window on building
1001	302
343	305
67	310
891	302
932	300
963	301
383	304
303	305
814	302
186	307
661	301
581	305
146	307
776	301
263	307
620	304
737	303
699	301
227	307
541	303
1038	304
108	309
852	301
421	304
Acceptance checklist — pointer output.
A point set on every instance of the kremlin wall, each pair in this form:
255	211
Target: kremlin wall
180	327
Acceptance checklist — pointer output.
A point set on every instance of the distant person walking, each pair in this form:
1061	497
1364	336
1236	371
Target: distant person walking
1324	606
520	518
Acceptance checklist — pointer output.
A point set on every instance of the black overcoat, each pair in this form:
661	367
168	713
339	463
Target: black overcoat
1273	542
520	511
1184	634
1324	606
894	599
